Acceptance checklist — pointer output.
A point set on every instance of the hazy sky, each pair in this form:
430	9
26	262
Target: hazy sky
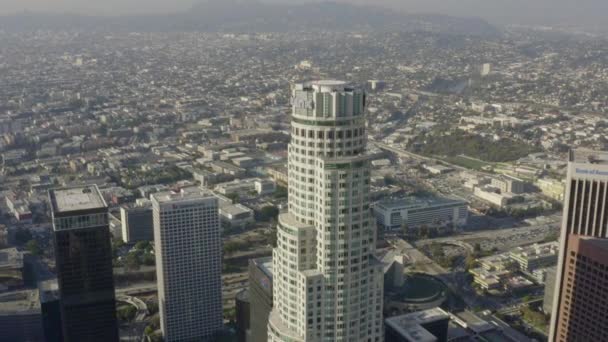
96	6
501	11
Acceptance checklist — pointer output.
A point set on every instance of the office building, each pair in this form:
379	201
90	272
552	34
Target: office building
582	307
136	222
579	307
260	298
188	252
535	256
327	282
422	326
243	315
392	214
48	292
235	215
20	319
11	269
84	264
549	290
506	183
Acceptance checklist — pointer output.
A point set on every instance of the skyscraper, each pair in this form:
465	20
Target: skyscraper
84	264
579	308
327	283
48	292
188	264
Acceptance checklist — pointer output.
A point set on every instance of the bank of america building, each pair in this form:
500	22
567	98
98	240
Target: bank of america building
327	283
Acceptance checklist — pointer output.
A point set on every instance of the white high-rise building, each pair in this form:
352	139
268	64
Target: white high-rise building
188	252
327	283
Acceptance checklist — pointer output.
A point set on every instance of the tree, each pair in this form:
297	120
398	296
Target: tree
132	262
268	213
143	246
280	192
234	197
34	247
148	259
232	246
152	307
126	313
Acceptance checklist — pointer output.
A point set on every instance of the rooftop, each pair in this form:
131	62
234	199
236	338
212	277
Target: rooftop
78	198
410	325
589	156
48	290
19	302
11	258
418	202
265	264
184	194
234	209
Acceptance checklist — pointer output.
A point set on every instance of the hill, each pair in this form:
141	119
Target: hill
253	16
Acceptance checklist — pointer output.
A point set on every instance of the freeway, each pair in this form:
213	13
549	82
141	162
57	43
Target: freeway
501	239
408	154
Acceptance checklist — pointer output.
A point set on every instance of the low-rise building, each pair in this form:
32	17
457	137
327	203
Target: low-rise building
11	269
20	317
438	169
278	174
494	196
551	188
506	183
535	256
19	208
235	215
246	187
422	326
414	212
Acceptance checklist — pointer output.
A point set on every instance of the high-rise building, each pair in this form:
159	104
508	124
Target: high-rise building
327	283
188	264
84	264
549	290
48	292
260	298
579	306
242	305
136	222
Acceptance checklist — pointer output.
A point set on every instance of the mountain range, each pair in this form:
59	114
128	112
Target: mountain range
254	16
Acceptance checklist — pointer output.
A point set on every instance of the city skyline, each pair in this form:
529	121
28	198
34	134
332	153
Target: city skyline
424	196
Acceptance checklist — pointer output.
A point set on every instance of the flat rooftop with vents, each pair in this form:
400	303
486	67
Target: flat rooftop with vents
76	199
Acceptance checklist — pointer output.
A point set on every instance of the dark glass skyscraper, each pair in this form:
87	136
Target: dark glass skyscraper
84	265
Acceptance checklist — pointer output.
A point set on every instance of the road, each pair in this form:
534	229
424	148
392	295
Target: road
456	280
135	329
502	239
